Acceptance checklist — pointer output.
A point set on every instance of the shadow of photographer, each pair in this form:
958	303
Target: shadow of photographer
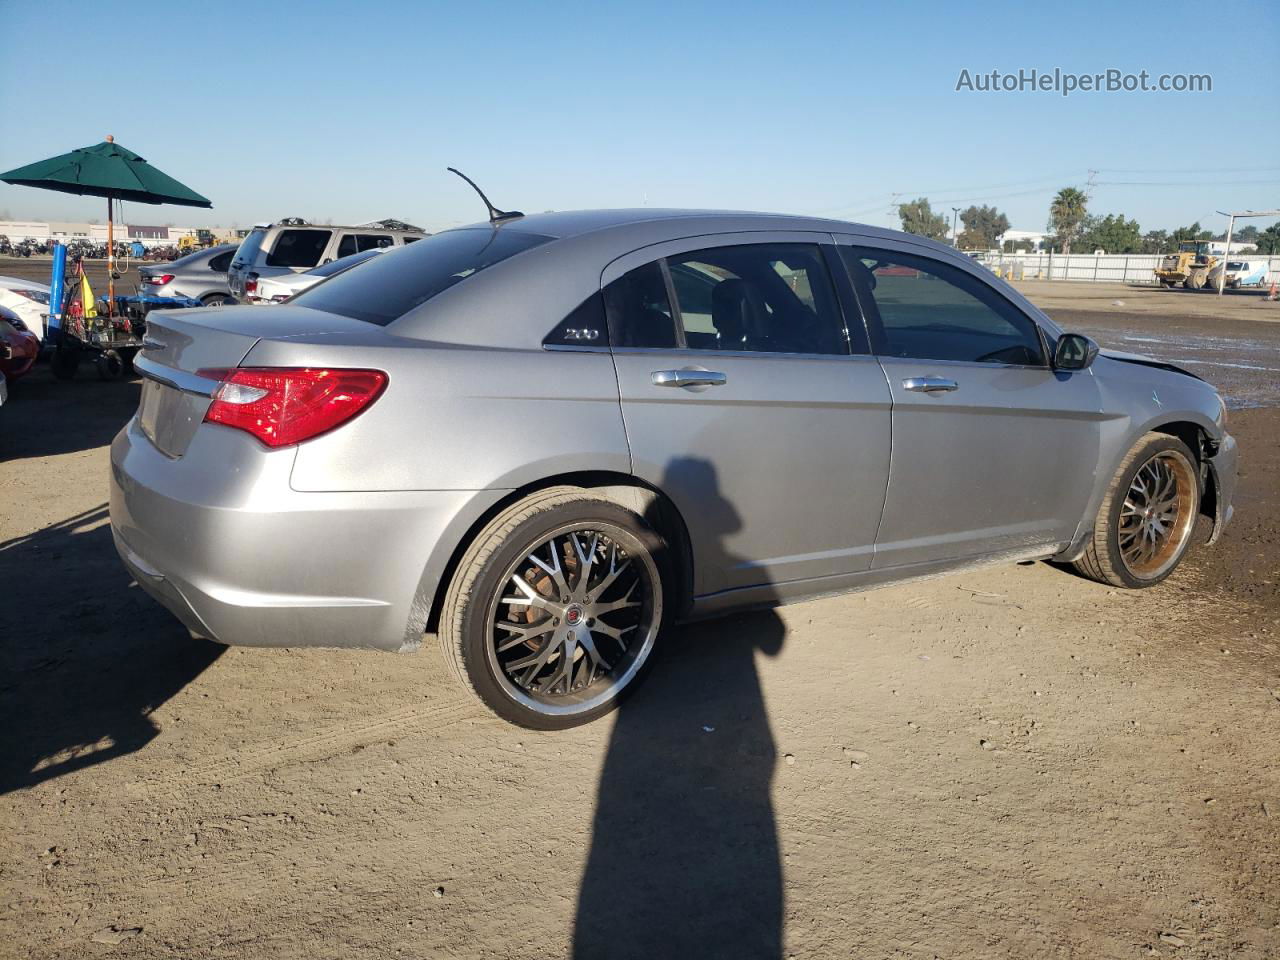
684	855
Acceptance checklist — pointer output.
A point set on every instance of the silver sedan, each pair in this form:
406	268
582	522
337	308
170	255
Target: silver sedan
545	439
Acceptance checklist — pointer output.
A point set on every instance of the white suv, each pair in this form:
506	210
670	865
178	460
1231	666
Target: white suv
271	250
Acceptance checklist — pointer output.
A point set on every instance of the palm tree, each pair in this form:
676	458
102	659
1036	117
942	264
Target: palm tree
1066	214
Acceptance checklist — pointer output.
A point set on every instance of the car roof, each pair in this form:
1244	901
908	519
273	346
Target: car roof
563	225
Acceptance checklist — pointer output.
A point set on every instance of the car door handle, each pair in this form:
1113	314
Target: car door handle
929	384
688	378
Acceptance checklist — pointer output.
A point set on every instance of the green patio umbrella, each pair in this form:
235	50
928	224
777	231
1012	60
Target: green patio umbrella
106	170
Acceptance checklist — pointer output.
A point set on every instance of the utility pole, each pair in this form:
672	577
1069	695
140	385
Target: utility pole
955	237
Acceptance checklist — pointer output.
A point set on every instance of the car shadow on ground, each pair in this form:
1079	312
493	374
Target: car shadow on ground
85	655
684	855
44	416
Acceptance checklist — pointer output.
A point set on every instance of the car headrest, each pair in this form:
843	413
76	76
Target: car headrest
738	313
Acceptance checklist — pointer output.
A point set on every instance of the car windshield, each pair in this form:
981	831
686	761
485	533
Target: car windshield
397	282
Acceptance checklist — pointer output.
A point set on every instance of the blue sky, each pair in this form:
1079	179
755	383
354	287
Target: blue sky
351	111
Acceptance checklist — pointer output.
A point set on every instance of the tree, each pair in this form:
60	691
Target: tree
1111	234
1019	246
1187	234
918	217
1155	241
1066	215
983	227
1269	240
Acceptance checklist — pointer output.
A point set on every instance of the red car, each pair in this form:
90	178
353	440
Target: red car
18	346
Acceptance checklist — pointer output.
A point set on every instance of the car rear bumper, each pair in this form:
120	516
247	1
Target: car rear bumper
219	538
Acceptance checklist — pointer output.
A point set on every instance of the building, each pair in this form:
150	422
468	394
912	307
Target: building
41	231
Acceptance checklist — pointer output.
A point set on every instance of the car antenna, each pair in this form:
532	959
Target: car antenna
495	215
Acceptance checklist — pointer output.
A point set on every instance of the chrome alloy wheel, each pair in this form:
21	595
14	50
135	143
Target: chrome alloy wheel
574	619
1157	515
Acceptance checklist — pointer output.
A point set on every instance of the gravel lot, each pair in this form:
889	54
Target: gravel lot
1012	762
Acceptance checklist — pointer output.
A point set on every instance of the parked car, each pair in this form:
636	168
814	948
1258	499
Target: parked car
547	440
274	250
29	300
279	289
1238	273
200	276
19	347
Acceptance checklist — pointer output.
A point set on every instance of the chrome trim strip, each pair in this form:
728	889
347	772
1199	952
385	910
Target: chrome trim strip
572	348
171	377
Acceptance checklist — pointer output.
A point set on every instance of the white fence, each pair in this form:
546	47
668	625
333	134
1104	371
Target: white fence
1109	267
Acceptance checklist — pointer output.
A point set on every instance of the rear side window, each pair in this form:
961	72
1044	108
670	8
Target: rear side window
639	309
298	248
769	298
928	310
766	298
221	262
392	284
360	242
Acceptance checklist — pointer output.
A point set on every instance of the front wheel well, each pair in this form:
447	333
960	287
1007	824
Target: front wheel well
1203	447
624	489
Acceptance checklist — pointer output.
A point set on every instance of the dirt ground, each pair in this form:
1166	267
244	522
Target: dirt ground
1008	763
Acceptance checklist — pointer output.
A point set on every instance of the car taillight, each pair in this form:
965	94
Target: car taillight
283	406
158	281
251	283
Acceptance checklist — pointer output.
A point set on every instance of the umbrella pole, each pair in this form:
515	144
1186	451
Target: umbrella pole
111	265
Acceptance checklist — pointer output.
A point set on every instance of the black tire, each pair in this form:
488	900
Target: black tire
1103	559
65	362
218	300
467	631
110	365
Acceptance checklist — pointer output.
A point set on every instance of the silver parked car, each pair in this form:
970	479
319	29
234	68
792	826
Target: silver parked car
279	249
546	439
201	276
279	289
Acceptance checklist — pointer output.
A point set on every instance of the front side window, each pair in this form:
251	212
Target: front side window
928	310
298	248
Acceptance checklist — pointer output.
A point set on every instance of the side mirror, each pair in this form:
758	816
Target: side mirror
1074	352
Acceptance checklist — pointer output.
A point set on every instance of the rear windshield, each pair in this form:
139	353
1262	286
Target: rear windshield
298	248
247	252
395	283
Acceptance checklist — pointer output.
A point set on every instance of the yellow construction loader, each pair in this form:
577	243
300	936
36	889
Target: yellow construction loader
1190	266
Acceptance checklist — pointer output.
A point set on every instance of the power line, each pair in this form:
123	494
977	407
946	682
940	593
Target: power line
1189	170
1044	181
1176	183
